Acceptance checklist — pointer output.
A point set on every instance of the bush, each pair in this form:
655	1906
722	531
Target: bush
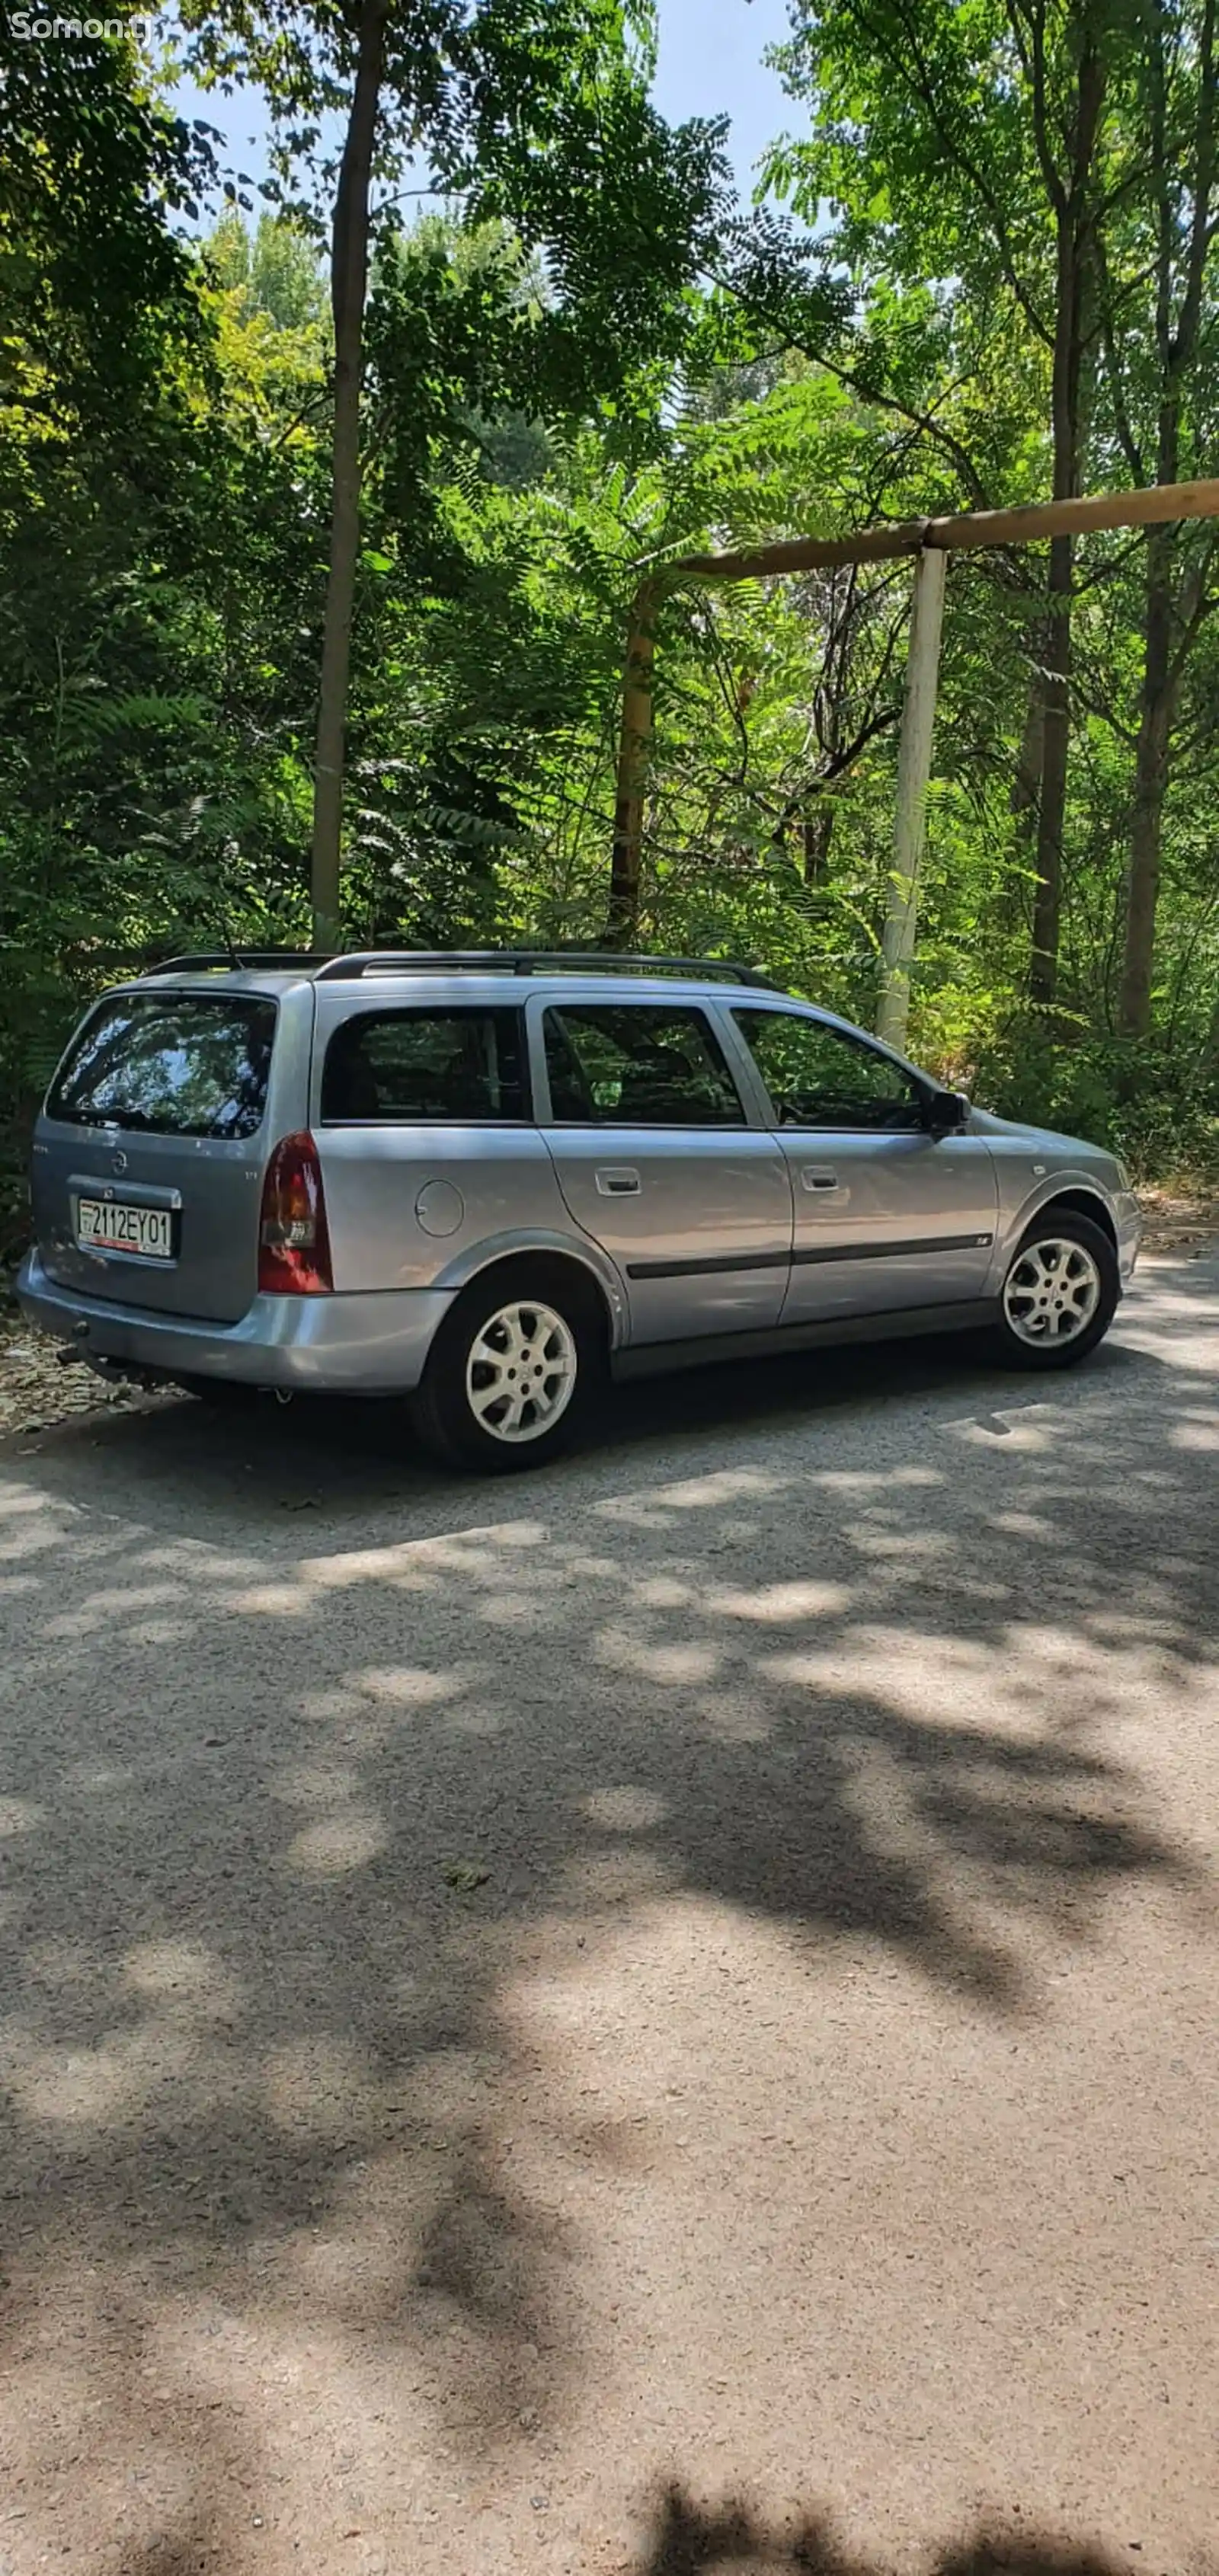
1149	1101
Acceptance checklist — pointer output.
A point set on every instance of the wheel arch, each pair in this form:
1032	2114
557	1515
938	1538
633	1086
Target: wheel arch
1082	1202
479	1270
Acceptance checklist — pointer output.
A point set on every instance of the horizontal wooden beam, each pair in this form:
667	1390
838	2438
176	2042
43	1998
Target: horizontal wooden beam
1156	503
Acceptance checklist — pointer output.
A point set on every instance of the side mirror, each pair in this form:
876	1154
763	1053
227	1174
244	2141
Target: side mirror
945	1112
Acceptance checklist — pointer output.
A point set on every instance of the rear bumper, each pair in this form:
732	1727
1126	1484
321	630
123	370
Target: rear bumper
359	1345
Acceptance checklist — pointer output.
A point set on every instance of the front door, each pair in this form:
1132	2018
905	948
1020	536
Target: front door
656	1160
887	1216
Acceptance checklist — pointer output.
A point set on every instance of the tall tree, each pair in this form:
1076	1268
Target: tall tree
1062	54
963	147
1162	409
535	111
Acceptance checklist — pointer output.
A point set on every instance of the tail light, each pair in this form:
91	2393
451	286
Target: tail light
293	1238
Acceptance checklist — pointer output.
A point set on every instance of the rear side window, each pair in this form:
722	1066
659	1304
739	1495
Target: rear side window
405	1068
637	1064
173	1064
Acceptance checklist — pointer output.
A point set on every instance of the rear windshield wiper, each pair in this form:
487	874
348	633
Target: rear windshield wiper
131	1120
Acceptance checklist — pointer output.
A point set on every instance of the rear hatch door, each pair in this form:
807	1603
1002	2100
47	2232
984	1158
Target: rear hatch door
149	1158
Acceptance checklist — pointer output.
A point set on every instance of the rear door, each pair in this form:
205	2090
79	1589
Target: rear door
422	1119
886	1215
149	1158
658	1161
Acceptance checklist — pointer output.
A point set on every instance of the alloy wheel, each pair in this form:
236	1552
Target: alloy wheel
1052	1292
521	1371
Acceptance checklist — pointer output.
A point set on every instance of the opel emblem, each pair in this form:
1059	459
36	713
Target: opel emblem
119	1163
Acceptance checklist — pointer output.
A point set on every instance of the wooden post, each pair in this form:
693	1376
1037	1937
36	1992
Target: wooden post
929	540
913	775
634	748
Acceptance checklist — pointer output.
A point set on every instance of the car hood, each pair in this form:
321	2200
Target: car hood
984	1123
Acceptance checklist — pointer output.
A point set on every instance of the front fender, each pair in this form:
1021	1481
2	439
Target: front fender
1019	1207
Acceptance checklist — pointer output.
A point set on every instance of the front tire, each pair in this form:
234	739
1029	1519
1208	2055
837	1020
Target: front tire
1060	1293
512	1371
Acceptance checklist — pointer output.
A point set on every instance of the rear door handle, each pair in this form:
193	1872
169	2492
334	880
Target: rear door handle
819	1176
617	1181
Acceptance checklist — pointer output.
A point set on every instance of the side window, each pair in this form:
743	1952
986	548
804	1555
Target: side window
637	1064
819	1077
408	1067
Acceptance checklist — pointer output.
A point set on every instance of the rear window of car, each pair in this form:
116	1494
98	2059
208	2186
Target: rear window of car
416	1067
170	1064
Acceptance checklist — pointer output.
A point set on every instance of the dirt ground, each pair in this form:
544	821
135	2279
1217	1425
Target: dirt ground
657	2018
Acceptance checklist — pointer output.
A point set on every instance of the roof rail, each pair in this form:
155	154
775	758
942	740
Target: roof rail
200	961
531	961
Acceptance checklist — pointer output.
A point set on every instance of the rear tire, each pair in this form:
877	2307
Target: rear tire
1059	1295
513	1371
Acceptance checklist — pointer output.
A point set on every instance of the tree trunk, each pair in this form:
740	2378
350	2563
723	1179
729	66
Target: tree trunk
634	748
1027	780
348	291
817	832
1071	198
1177	341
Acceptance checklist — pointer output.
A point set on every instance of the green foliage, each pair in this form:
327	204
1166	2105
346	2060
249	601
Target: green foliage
588	362
1157	1108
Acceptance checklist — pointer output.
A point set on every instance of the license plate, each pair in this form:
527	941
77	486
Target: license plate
114	1225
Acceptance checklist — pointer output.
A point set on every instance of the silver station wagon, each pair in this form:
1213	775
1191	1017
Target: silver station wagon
488	1182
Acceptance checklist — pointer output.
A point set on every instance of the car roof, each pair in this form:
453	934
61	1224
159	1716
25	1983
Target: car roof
373	985
470	982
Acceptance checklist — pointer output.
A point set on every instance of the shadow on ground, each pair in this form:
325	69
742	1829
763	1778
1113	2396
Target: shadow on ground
687	2540
284	1798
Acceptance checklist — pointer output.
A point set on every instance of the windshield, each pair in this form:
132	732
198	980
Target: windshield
170	1064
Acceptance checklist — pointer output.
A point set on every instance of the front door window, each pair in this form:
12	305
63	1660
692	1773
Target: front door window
818	1076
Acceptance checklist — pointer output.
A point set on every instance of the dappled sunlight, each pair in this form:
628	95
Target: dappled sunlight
626	1810
99	1608
17	1498
118	2079
184	1969
1031	1430
336	1844
1194	1429
21	1816
1034	1525
692	1494
774	1604
858	1482
661	1662
401	1686
441	1988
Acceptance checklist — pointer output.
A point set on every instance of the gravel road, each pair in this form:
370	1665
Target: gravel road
653	2019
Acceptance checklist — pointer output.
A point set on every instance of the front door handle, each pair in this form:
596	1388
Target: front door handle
618	1181
819	1176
